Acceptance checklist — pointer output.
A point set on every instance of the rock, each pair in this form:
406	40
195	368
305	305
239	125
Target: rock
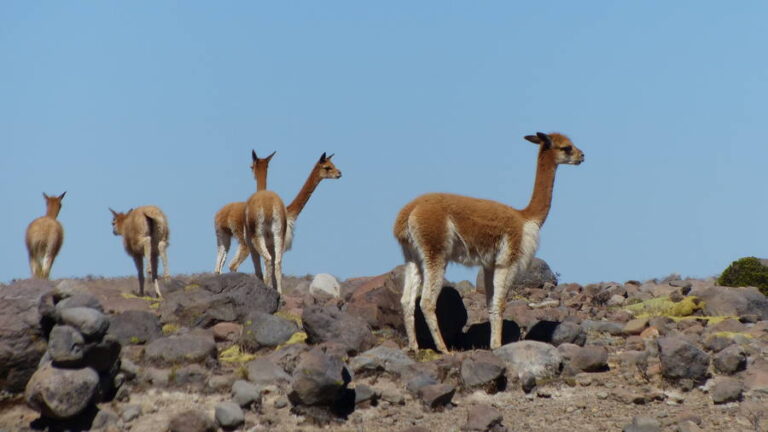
246	394
328	324
569	332
61	393
130	412
717	343
192	421
643	424
82	299
325	284
65	345
91	323
22	340
483	418
730	360
377	301
727	301
590	358
266	330
319	379
364	394
682	360
175	350
261	371
192	375
612	328
536	275
725	390
484	370
381	358
527	382
635	326
210	299
103	419
543	361
288	356
103	355
418	381
227	331
688	426
436	395
135	327
229	415
616	300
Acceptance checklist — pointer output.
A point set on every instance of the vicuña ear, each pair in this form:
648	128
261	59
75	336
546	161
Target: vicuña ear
62	195
114	213
322	157
253	155
270	156
546	141
45	195
329	157
533	138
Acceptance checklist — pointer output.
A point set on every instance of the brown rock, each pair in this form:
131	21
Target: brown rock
192	421
226	331
635	326
483	418
378	300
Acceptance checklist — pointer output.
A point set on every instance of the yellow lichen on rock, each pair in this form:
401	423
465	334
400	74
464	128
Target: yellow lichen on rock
663	306
298	337
234	354
170	329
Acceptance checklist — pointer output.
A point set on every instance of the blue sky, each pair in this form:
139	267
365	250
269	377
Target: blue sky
124	104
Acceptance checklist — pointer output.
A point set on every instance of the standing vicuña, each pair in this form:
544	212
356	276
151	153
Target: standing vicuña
436	228
230	221
269	224
44	238
145	235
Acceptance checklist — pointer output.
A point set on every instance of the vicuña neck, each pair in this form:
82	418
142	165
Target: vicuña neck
541	200
261	180
298	203
52	211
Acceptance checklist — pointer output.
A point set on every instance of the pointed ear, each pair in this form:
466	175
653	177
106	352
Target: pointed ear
253	155
533	138
546	141
322	157
114	213
329	157
129	211
270	156
62	195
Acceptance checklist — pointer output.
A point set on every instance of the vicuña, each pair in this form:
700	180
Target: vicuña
44	238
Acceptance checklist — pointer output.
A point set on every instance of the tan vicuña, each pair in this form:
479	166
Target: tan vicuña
44	238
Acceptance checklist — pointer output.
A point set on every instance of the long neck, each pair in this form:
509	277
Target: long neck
541	200
261	179
52	210
298	203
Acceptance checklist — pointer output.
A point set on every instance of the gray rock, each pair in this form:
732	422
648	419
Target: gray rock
288	356
381	358
103	419
22	340
328	324
727	301
436	395
130	412
527	382
61	393
725	389
681	359
536	275
612	328
483	418
229	415
419	381
246	394
192	421
266	330
175	350
82	299
192	375
590	358
484	370
635	326
135	327
643	424
65	346
730	360
102	355
325	284
543	361
261	371
318	379
210	299
91	323
364	394
569	332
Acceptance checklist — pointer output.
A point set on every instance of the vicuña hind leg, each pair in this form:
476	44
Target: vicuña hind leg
411	290
501	278
277	241
261	249
162	248
434	270
45	267
240	256
34	267
223	241
138	261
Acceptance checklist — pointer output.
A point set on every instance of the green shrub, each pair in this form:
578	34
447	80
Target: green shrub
747	271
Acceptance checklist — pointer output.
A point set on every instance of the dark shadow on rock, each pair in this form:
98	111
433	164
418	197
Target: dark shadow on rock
542	331
478	336
451	318
82	422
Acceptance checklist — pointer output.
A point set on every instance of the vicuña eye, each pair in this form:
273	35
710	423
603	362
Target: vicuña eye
567	149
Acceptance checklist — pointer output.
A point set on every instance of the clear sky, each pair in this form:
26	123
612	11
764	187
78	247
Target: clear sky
124	104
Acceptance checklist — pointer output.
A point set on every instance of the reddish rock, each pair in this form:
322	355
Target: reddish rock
378	300
226	331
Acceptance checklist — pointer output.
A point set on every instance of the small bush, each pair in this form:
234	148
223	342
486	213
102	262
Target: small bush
747	271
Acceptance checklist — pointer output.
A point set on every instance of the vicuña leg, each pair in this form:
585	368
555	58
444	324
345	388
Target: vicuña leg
223	241
45	267
434	270
277	241
411	290
139	261
162	247
153	265
260	243
488	280
34	267
240	256
501	278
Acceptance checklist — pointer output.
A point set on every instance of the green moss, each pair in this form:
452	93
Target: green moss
747	271
135	340
663	306
289	317
297	337
425	355
191	287
234	354
170	329
732	335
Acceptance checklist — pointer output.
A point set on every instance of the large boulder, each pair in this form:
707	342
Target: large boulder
681	359
727	301
266	330
210	299
325	284
61	393
22	340
135	327
536	275
541	360
377	300
381	358
328	324
319	379
482	369
176	350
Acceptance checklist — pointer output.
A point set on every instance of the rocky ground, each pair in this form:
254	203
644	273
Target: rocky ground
226	353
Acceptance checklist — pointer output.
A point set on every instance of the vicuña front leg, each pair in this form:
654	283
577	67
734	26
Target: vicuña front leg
138	261
501	277
433	284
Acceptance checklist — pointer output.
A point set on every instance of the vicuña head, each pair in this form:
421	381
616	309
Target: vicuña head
438	228
145	236
44	238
